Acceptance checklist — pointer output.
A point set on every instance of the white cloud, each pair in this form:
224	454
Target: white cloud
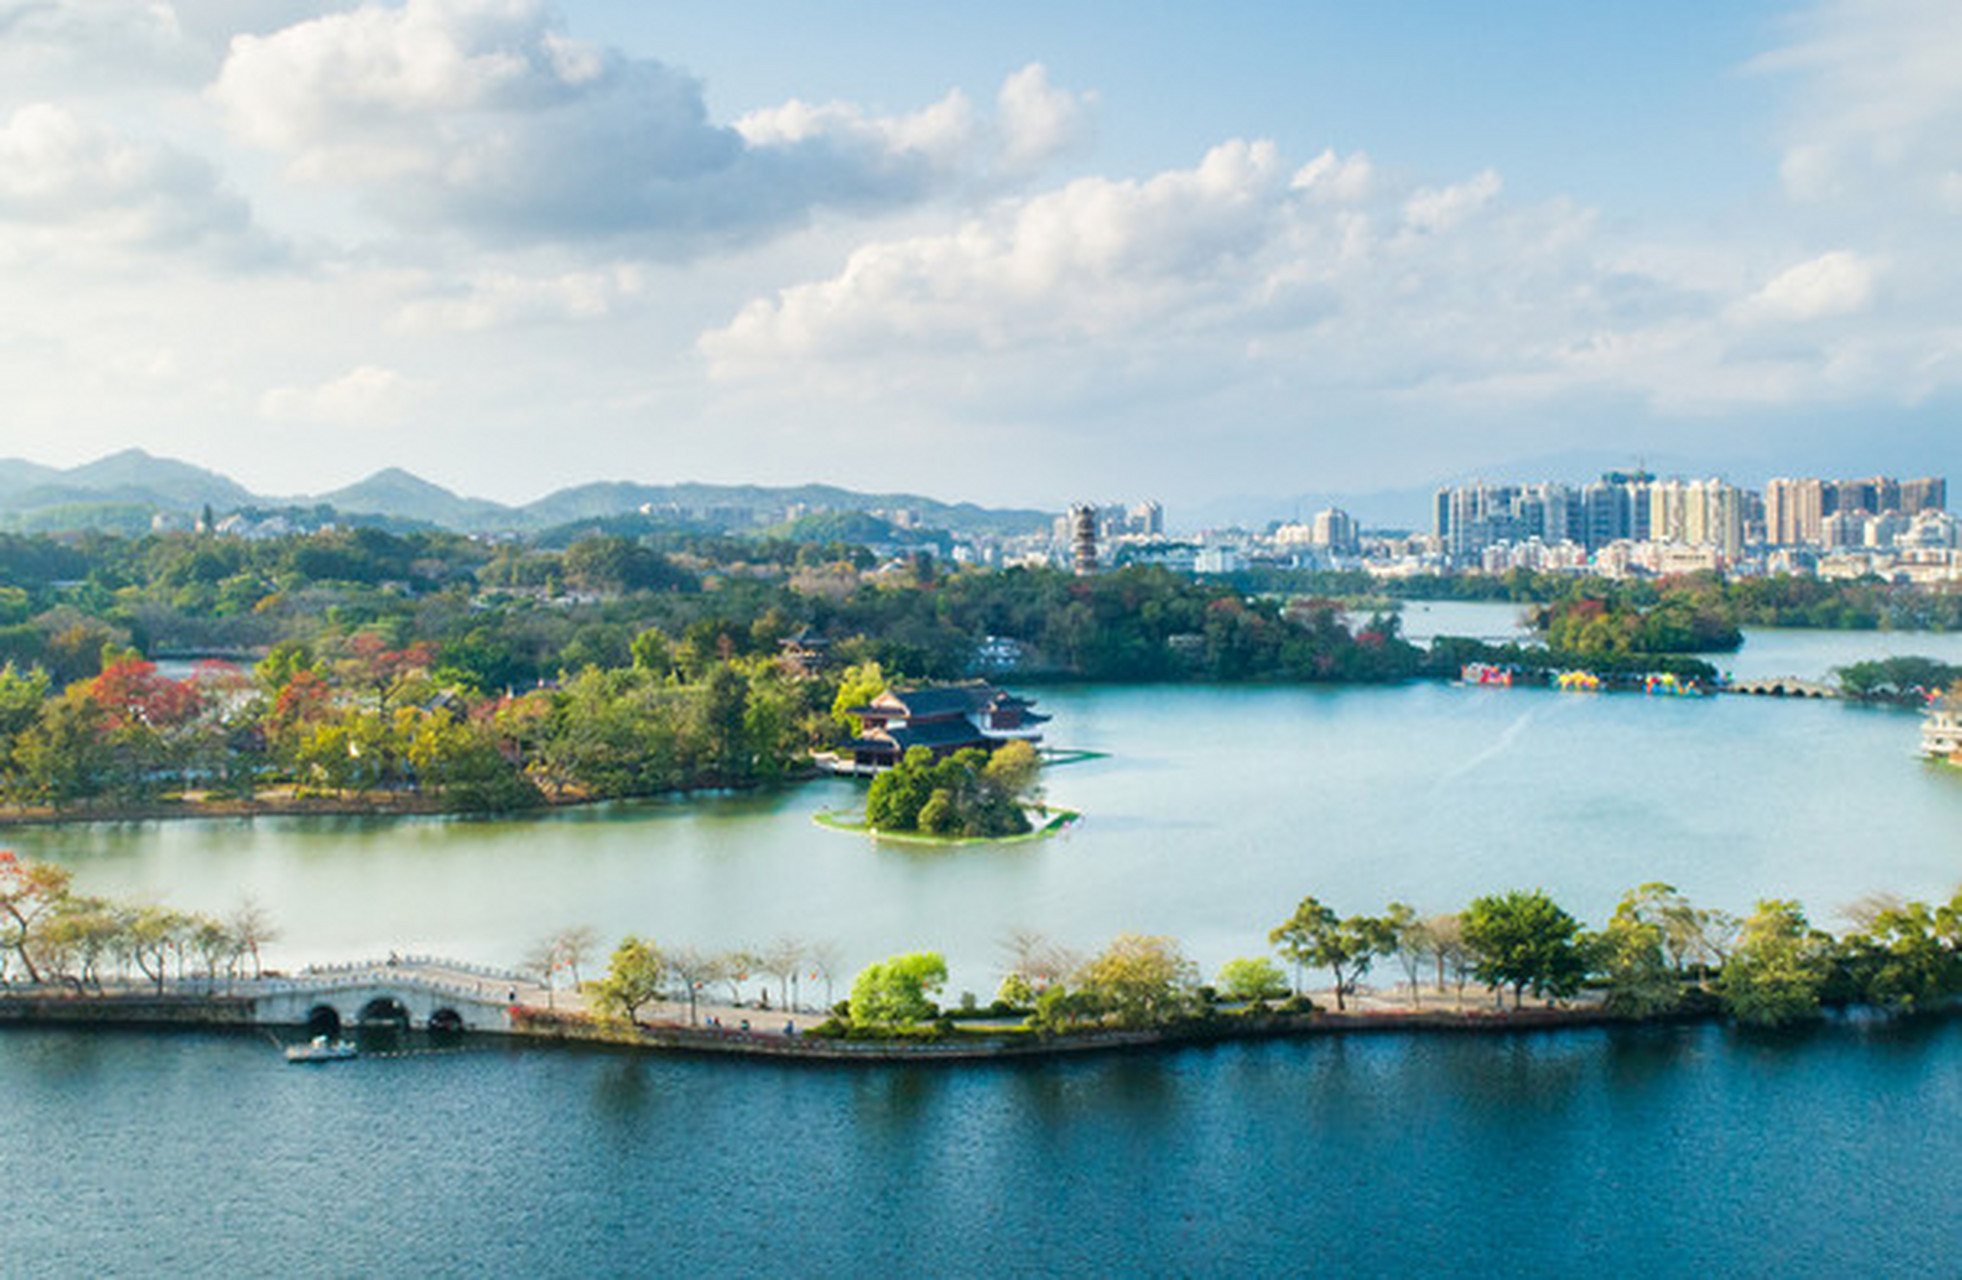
1039	122
59	46
1442	208
367	395
484	116
499	299
1879	104
1834	284
1328	282
1337	179
66	183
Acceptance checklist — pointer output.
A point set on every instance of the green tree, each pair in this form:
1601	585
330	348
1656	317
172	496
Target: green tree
1251	979
1899	960
66	755
633	979
1141	980
1631	954
856	688
897	992
1523	939
1779	968
1315	937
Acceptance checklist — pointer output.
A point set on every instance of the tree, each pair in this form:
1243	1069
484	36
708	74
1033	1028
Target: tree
216	947
1314	937
826	961
633	978
782	960
1449	952
1631	954
1410	936
1778	969
1523	939
1899	961
28	891
154	934
253	928
694	969
574	945
1038	960
1249	980
856	688
897	992
543	962
1142	980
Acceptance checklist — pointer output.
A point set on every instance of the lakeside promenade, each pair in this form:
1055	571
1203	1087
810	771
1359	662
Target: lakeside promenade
425	993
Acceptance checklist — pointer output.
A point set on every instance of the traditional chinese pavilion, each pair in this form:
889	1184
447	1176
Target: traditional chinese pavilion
943	720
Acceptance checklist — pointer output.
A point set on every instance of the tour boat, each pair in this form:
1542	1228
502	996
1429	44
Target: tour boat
320	1049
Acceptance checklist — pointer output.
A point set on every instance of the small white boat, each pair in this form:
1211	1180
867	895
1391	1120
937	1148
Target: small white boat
321	1049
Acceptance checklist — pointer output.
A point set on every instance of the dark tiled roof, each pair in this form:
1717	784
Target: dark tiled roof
940	735
924	704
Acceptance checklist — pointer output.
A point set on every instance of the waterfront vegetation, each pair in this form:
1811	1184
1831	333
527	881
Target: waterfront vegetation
51	935
426	671
1657	956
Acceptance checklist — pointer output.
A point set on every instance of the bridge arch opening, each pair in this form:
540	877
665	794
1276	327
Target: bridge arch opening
446	1020
385	1011
324	1020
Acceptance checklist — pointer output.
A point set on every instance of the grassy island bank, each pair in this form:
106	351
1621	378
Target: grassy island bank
852	822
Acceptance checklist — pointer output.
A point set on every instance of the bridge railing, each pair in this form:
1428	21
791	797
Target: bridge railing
416	962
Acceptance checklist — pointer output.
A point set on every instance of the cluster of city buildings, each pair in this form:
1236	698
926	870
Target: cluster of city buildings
1624	524
1634	522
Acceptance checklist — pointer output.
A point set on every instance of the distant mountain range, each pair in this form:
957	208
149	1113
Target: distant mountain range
126	491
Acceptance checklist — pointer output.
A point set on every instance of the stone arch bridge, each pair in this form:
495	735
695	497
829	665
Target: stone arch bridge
1784	687
415	992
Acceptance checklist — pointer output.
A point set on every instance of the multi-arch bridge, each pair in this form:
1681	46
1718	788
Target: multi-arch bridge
1784	687
419	992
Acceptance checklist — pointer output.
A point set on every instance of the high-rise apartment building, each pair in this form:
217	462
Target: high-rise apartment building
1793	510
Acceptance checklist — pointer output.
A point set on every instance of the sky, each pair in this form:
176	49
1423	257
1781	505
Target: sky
1018	253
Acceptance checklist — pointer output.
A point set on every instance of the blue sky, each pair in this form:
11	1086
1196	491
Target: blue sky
1014	253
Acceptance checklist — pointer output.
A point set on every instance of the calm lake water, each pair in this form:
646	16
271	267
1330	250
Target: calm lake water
1681	1151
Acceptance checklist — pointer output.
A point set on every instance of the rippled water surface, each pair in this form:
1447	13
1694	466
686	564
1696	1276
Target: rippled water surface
1669	1152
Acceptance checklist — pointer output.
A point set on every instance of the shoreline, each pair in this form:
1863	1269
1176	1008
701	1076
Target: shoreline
540	1026
838	820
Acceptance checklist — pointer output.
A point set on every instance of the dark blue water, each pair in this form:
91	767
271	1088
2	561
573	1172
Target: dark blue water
1662	1152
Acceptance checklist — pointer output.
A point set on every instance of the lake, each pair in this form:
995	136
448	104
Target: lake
1212	813
1678	1151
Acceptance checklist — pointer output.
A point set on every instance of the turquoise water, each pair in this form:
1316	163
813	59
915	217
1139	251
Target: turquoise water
1670	1152
1213	813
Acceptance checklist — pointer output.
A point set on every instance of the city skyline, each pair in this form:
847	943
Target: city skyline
514	246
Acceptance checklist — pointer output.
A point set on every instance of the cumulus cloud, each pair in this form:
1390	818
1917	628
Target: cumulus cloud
1238	245
367	395
485	115
65	181
1321	280
1834	284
